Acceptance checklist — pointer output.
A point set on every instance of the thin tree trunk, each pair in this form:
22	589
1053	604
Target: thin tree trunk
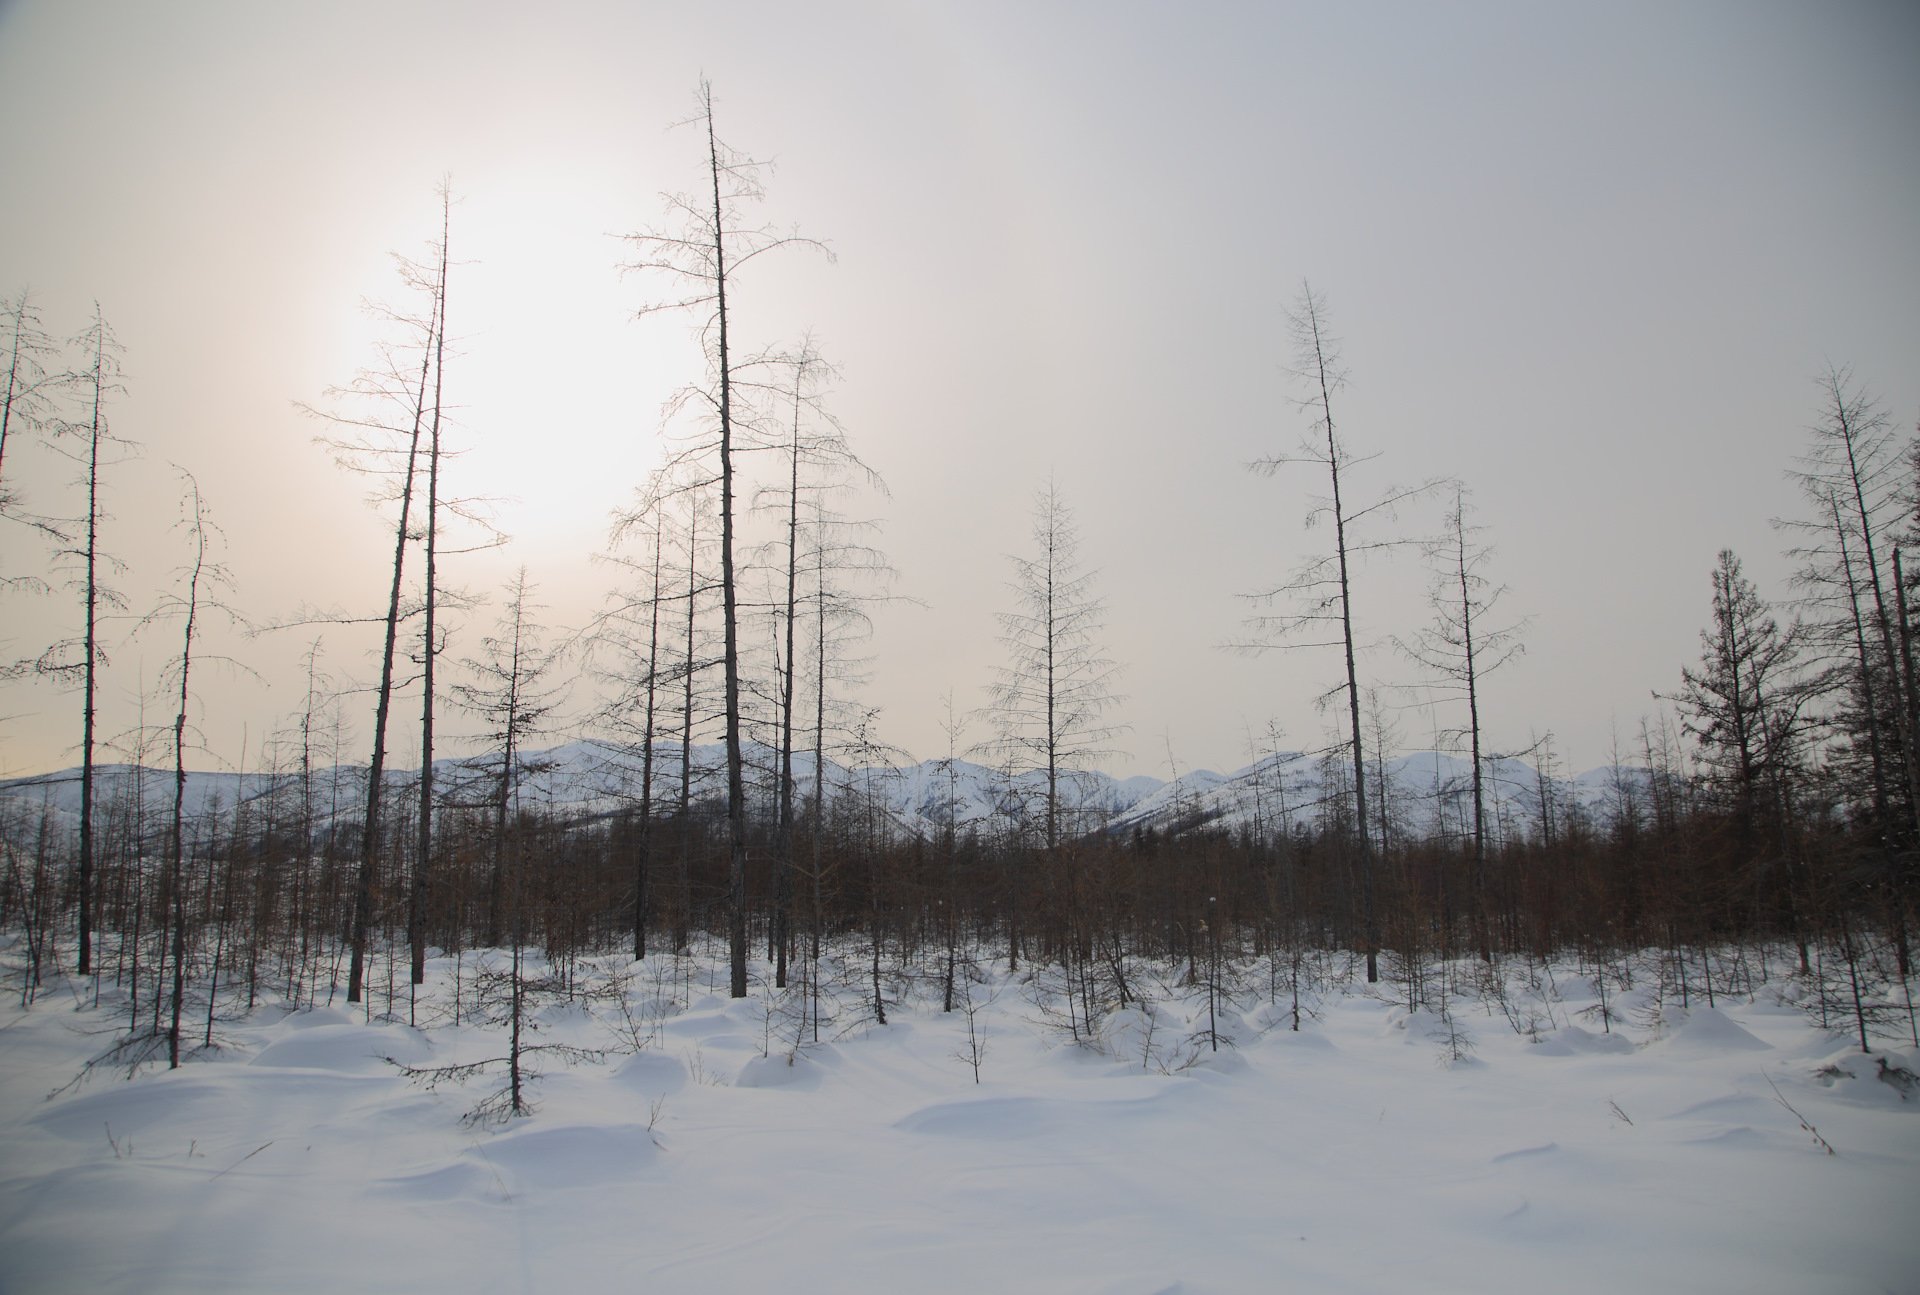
376	770
1874	747
1903	730
685	914
1324	380
92	651
176	870
736	787
423	860
1473	729
783	846
643	853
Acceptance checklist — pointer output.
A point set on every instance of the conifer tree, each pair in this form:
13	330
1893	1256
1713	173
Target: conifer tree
1743	704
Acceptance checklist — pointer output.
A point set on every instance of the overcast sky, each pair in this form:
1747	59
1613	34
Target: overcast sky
1588	259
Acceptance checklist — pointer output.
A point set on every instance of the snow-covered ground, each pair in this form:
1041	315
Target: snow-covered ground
1347	1157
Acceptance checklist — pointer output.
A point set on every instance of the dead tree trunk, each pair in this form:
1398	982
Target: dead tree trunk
429	646
376	769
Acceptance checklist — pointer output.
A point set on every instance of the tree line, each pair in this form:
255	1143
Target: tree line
1765	823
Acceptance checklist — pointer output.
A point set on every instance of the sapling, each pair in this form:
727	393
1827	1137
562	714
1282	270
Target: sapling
974	1050
1456	1043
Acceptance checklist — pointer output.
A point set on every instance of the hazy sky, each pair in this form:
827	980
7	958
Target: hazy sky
1589	259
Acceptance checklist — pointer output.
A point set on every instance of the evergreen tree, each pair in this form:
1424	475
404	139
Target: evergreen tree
1743	705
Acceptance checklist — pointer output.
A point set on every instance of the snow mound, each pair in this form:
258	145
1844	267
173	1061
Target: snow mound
152	1103
347	1049
778	1071
652	1073
1882	1079
581	1155
1708	1029
1576	1039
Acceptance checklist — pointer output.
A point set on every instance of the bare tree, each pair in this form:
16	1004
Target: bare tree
441	510
512	696
1852	473
27	404
202	579
381	435
1460	648
820	464
703	254
1322	588
1047	703
99	448
430	600
639	686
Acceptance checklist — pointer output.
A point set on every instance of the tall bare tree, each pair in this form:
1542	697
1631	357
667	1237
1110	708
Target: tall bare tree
1322	589
1853	473
702	254
820	464
98	448
430	645
639	687
197	593
1461	648
384	417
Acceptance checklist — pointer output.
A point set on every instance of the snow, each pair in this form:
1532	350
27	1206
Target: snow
1430	790
1347	1157
598	777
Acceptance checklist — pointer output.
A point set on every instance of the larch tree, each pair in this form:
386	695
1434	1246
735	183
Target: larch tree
196	594
514	697
1048	702
1853	473
1460	647
1322	589
27	404
98	448
1743	705
441	510
837	611
639	684
429	605
385	417
701	254
819	464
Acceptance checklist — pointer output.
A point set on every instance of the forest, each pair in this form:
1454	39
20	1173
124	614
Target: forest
741	810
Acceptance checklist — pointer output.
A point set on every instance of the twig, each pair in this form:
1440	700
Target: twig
1798	1116
242	1160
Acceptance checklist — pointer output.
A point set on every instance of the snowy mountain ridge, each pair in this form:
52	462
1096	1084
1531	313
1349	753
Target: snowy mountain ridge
1284	790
